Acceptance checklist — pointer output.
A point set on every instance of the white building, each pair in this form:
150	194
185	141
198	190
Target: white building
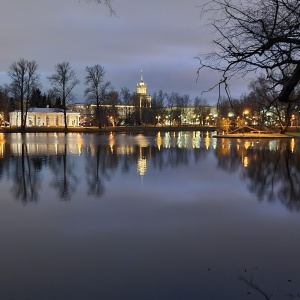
45	117
141	90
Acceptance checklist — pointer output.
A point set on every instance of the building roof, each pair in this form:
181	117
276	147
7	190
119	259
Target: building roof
44	110
47	110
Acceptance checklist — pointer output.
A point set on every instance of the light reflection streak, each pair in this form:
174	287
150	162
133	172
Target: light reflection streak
111	142
158	140
143	150
292	145
2	144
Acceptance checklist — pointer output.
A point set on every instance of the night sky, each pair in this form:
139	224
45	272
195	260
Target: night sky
161	38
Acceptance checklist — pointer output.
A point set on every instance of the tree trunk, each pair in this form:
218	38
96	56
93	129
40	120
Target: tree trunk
65	119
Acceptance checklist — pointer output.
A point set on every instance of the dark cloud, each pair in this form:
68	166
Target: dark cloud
160	37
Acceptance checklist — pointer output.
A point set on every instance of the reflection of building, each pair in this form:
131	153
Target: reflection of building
142	162
142	166
45	117
39	144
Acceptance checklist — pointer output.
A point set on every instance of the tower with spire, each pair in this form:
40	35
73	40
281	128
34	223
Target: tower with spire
141	90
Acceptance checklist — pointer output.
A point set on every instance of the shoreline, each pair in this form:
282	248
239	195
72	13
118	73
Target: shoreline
94	129
254	135
140	129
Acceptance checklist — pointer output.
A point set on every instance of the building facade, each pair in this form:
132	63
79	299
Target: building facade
45	117
142	112
144	97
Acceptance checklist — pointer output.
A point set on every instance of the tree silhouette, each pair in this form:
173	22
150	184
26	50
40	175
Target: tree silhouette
255	35
63	82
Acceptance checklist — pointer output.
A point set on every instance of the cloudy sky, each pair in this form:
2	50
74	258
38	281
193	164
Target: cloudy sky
159	37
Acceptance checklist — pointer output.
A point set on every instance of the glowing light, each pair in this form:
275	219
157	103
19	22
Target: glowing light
111	142
158	140
2	144
247	144
292	145
245	162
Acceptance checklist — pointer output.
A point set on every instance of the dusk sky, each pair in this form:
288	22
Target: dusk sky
161	38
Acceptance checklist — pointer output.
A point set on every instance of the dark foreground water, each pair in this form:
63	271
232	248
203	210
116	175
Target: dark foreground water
165	216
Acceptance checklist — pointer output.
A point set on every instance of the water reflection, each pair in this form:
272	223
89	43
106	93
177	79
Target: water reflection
25	175
178	217
270	168
64	176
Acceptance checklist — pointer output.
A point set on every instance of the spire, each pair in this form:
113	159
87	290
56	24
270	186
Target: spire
142	76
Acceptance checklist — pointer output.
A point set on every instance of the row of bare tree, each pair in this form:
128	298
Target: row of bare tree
24	92
257	36
261	107
25	81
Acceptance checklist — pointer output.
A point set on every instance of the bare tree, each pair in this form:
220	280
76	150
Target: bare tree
105	2
171	106
96	88
263	103
255	35
31	83
181	104
224	107
23	74
4	104
17	73
158	107
126	96
112	99
63	82
201	110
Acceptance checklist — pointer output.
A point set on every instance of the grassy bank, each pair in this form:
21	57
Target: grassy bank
108	129
136	129
293	134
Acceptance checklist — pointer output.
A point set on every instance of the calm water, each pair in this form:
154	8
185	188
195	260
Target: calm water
164	216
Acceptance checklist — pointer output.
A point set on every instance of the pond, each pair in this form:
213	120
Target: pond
165	215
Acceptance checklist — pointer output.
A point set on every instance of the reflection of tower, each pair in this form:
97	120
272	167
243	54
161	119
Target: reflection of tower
2	145
142	164
144	99
158	140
